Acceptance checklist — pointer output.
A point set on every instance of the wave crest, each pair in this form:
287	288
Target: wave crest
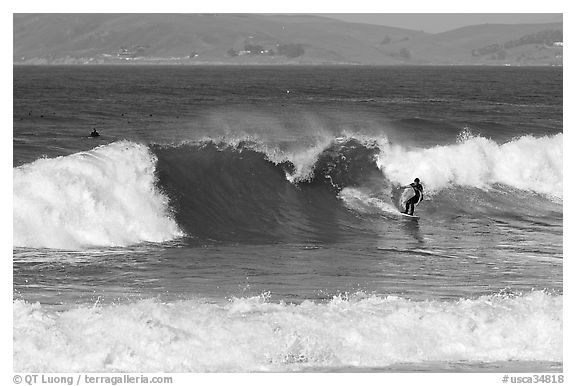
526	163
103	197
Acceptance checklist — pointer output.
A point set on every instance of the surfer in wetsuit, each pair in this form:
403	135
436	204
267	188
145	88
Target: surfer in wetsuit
94	133
418	196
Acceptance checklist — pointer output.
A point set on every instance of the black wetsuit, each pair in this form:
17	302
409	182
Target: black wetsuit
419	191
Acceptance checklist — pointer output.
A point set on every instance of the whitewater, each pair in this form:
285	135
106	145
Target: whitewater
102	197
252	334
220	224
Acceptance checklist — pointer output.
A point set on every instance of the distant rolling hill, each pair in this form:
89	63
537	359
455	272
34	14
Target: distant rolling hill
270	39
514	44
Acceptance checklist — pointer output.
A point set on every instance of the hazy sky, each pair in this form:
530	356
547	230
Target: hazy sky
440	22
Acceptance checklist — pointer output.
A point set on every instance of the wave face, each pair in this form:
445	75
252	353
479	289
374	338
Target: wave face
248	191
103	197
245	190
252	334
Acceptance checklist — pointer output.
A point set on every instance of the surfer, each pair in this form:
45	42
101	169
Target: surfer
94	133
418	196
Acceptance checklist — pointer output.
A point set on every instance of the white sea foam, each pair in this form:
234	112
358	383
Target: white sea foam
102	197
364	202
304	161
302	158
253	334
527	163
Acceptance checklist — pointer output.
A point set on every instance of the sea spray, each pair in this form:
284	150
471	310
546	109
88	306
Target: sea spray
526	163
102	197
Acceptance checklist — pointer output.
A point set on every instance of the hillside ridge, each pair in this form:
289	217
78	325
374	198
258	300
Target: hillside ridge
271	39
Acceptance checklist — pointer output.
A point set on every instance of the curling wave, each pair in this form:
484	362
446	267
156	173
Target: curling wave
246	190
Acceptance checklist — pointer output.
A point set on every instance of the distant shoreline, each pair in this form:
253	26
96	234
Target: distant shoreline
264	40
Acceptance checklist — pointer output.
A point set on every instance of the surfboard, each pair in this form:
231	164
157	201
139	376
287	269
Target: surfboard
409	216
407	194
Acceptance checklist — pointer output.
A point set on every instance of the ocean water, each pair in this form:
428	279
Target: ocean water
240	219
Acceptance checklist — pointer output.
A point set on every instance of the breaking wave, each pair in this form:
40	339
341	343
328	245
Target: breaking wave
247	190
526	163
106	196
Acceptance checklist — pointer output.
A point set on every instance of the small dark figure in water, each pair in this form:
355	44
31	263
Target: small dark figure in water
418	196
94	133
